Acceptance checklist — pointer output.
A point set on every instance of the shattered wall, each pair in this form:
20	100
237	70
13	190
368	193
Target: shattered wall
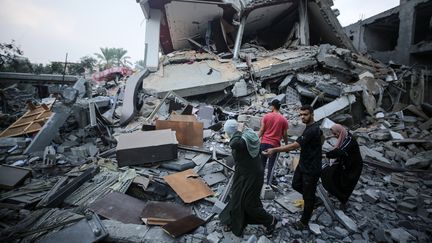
402	34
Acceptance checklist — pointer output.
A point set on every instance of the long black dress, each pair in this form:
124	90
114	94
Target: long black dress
340	178
245	206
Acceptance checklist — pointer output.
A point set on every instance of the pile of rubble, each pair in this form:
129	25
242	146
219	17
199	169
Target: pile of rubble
146	159
165	175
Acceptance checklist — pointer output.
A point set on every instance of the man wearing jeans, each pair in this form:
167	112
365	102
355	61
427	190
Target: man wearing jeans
308	171
274	126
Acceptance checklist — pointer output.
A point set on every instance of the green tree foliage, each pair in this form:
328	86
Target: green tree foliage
112	57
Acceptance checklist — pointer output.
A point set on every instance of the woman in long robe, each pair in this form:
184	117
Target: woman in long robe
341	176
245	205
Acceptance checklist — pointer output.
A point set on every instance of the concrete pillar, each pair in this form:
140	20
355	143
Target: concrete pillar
406	33
304	22
152	31
239	36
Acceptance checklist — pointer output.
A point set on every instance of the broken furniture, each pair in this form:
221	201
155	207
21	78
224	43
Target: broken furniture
188	130
12	176
120	207
32	121
161	213
188	185
146	147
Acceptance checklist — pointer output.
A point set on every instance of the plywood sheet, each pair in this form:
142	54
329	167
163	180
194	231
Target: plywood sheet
32	121
188	185
160	213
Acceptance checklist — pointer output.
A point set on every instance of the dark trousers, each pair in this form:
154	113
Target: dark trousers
271	161
306	184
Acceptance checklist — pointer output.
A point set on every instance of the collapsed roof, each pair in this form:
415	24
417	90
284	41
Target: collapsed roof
174	25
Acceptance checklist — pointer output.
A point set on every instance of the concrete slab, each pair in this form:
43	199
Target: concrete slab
334	106
192	79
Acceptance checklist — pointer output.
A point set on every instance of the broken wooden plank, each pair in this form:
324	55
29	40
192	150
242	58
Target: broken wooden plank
32	121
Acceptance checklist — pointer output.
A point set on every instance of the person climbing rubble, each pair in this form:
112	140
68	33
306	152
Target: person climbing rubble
340	176
308	171
274	126
245	206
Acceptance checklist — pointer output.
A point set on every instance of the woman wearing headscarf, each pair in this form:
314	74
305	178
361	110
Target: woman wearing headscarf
244	206
342	174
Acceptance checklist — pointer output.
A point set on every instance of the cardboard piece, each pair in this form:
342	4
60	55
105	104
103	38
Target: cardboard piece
188	130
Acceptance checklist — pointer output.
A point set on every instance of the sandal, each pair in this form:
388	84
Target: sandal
270	229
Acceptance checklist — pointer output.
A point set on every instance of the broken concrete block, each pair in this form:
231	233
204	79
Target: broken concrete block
367	152
341	231
212	179
371	195
267	193
396	135
421	160
346	221
315	228
240	89
120	232
380	135
146	147
287	80
325	219
334	106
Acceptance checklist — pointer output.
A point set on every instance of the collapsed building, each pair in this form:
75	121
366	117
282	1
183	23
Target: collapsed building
146	159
